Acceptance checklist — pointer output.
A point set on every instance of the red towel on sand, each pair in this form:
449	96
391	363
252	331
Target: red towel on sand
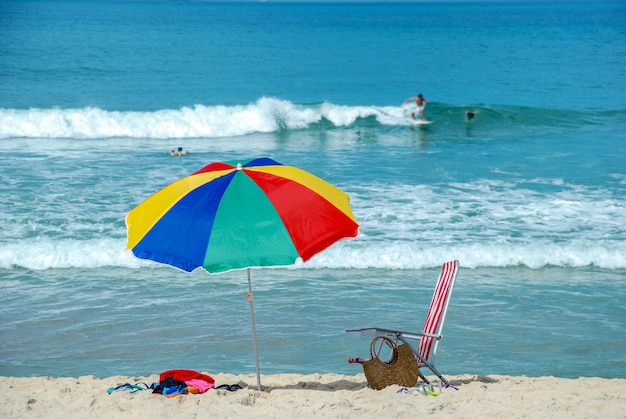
185	375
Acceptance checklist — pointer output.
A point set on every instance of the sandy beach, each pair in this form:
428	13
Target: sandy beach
317	395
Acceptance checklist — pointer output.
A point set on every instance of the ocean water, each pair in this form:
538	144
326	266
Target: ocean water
529	195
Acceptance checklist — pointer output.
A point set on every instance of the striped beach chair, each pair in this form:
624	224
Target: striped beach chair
424	344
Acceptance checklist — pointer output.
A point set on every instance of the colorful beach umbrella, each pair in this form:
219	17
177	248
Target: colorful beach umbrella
240	214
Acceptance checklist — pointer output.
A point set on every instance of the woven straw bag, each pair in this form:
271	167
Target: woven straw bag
402	368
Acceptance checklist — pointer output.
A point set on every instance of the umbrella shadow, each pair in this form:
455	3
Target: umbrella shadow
314	385
475	379
352	385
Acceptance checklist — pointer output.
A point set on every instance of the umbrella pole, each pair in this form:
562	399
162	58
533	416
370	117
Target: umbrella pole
250	300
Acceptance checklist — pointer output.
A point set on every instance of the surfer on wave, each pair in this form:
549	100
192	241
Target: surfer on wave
420	104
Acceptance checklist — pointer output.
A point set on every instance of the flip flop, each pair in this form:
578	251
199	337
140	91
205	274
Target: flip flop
431	393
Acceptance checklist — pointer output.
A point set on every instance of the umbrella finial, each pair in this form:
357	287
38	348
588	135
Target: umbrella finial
238	166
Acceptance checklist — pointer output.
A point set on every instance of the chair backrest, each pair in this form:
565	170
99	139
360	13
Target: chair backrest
437	311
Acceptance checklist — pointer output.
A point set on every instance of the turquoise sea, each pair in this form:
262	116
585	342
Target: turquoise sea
529	196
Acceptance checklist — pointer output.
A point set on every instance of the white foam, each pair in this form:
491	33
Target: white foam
39	254
263	116
487	223
471	255
483	223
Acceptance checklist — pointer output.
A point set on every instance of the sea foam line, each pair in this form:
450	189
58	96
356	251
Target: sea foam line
348	254
263	116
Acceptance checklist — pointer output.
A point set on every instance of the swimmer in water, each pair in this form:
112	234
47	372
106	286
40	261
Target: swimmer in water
179	152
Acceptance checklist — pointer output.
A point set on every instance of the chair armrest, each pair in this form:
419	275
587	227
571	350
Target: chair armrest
377	331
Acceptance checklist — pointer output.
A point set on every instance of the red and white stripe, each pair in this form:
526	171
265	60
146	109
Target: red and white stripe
438	306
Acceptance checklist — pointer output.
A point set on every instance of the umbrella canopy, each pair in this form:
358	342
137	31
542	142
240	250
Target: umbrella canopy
236	215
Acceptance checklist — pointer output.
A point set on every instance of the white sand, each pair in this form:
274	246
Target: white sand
316	395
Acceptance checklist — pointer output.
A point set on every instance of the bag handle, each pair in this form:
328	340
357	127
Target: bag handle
390	343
